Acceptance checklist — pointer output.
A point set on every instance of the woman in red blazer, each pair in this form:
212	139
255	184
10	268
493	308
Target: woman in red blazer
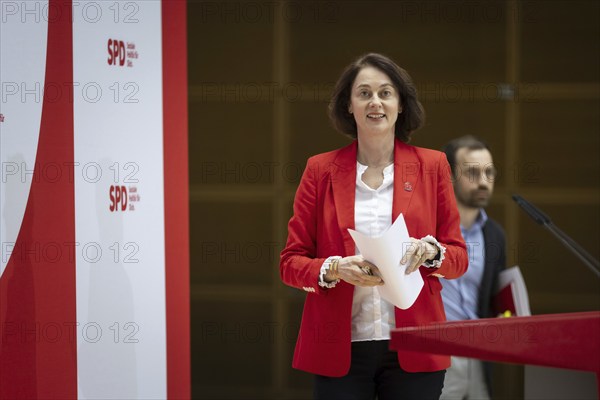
345	330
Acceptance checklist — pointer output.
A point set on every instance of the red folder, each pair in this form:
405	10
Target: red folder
512	295
504	301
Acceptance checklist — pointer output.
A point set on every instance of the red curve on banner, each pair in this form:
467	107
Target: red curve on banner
177	258
38	340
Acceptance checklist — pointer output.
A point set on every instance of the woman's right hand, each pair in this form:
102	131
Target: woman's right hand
356	271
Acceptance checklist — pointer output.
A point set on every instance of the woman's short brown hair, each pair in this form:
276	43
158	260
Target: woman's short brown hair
413	114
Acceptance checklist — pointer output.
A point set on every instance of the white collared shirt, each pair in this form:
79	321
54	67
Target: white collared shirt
372	316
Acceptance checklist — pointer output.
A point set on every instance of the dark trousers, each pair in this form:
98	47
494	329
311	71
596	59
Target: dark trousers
375	373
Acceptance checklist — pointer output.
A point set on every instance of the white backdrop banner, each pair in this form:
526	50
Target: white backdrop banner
94	298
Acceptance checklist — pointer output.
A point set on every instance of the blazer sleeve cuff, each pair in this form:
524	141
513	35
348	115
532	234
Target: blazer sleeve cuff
436	262
324	268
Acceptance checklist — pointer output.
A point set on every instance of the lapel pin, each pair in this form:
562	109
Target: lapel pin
407	186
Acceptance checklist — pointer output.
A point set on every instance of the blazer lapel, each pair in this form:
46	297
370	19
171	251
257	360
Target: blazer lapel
343	182
407	169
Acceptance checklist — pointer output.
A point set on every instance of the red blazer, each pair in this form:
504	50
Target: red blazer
323	212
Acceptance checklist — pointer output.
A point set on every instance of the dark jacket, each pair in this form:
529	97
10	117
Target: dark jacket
495	262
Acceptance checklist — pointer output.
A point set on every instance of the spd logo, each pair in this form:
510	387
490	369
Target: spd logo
118	198
116	52
122	198
121	53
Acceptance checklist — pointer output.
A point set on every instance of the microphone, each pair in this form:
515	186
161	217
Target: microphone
535	213
538	216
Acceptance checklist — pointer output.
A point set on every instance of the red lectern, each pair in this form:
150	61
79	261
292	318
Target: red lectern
569	341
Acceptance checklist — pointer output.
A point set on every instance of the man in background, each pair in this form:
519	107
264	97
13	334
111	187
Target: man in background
469	297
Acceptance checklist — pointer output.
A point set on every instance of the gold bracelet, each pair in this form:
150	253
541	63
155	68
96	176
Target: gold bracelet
334	268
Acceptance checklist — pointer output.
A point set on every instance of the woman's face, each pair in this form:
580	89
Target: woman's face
374	102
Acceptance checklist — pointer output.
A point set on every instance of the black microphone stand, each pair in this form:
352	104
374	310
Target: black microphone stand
542	219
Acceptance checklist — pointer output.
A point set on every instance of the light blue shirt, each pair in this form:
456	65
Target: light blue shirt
461	296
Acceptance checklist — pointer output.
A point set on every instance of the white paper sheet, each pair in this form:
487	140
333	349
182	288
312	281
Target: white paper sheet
386	252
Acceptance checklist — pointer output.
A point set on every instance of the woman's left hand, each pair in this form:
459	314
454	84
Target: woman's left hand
418	252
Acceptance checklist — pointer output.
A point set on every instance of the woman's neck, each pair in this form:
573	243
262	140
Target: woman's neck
376	151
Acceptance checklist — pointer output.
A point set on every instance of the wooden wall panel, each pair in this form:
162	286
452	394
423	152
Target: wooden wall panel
232	341
523	75
232	243
230	143
560	143
228	42
560	41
